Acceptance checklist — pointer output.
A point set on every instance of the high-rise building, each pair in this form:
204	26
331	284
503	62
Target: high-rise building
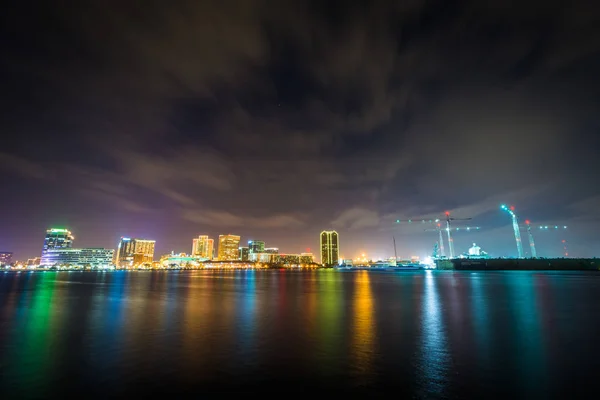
330	247
5	257
202	246
57	239
244	252
228	247
272	250
256	246
133	252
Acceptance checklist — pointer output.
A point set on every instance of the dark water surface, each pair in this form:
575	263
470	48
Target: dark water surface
422	334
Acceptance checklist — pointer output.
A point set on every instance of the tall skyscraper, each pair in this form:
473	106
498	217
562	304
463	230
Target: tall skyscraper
133	252
57	239
202	246
330	247
228	247
256	246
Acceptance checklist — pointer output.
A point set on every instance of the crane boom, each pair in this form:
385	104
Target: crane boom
450	240
515	223
531	242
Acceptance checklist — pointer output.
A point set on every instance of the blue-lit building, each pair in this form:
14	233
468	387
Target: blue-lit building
91	257
57	239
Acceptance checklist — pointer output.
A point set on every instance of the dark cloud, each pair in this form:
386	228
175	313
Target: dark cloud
285	118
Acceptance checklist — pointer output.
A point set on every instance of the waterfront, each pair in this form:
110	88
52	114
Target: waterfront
425	333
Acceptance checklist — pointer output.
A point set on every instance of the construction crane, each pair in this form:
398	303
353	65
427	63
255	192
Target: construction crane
439	229
438	222
531	242
448	229
515	222
430	221
544	228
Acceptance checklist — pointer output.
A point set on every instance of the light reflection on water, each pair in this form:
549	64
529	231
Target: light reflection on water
364	327
430	334
435	358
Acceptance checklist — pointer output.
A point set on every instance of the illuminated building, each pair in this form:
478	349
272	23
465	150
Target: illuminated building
134	252
272	250
256	246
285	259
57	239
210	252
307	258
244	252
5	257
181	260
330	247
34	261
267	258
203	247
92	257
228	247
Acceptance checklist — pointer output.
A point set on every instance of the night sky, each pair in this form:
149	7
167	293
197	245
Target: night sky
275	120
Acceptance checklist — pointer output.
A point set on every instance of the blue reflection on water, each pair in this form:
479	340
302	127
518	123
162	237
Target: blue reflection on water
435	358
248	309
480	320
530	362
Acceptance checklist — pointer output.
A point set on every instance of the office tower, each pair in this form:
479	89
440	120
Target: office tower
244	252
330	247
133	252
228	247
272	250
202	247
144	251
5	257
256	246
57	239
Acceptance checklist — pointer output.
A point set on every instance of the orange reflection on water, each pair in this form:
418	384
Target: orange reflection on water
364	327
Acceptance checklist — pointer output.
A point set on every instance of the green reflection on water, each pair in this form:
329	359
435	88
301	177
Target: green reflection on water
328	319
36	348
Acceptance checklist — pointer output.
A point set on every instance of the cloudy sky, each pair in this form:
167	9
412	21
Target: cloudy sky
276	120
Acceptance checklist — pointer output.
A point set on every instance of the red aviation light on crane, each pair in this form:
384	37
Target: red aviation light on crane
527	221
512	208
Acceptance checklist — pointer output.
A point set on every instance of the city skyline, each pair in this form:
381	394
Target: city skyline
549	240
316	120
